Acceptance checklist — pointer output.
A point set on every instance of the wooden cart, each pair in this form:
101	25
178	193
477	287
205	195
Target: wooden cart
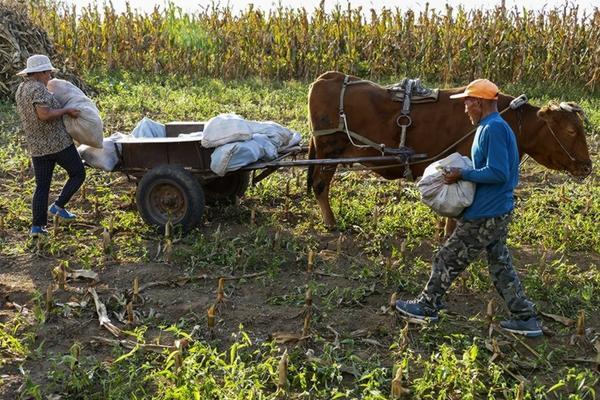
174	180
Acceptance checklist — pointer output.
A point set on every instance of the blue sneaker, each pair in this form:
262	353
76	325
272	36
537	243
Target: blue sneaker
414	309
61	212
529	327
37	230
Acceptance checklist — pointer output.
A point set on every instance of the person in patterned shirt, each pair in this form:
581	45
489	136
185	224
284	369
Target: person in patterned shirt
47	141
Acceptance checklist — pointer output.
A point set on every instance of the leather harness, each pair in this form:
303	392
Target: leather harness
403	121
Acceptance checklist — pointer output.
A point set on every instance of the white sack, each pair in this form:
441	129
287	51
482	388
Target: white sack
279	135
148	128
446	200
105	158
233	156
296	139
87	128
198	134
225	128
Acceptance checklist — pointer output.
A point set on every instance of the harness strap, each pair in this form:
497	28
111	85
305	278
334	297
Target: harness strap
343	123
342	92
404	121
407	91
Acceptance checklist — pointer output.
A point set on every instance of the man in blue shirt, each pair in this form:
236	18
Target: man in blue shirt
483	225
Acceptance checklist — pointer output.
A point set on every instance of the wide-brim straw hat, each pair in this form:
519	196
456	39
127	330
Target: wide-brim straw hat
37	63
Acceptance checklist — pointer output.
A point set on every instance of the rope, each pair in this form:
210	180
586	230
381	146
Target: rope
560	143
343	117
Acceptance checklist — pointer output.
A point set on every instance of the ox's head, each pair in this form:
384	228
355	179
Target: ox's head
566	149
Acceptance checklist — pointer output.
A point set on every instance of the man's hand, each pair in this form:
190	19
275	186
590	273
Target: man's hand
452	175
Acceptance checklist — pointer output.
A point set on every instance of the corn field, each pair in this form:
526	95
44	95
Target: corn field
450	45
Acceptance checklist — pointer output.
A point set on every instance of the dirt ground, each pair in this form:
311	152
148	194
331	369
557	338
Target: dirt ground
248	301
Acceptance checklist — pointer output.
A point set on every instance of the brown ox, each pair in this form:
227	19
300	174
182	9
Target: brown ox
552	136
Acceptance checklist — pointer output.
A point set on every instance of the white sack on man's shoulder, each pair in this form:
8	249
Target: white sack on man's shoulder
88	127
446	200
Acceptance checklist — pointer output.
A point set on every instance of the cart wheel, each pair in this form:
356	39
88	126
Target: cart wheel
224	190
170	192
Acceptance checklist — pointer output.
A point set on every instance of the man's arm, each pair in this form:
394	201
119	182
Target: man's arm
497	167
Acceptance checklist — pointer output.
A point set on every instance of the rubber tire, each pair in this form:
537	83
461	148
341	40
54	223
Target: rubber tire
225	190
182	185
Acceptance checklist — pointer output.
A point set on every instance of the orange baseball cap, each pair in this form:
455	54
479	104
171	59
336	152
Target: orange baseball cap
480	88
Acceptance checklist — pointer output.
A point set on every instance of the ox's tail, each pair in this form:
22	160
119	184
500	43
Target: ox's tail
311	168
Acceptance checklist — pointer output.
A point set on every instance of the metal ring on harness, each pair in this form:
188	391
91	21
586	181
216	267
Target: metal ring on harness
408	121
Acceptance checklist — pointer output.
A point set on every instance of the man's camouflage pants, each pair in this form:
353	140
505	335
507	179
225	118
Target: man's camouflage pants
469	239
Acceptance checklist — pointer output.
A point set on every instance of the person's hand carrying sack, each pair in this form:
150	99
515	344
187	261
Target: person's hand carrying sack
446	200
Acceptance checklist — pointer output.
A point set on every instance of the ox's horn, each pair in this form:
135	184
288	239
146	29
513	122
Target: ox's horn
571	107
518	102
575	108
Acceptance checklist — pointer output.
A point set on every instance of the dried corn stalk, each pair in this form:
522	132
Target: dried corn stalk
581	323
103	315
49	302
392	303
489	317
559	318
221	291
308	299
404	338
597	347
283	370
55	224
60	275
167	251
136	288
20	38
168	229
210	320
106	241
311	261
83	273
130	314
307	321
398	391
